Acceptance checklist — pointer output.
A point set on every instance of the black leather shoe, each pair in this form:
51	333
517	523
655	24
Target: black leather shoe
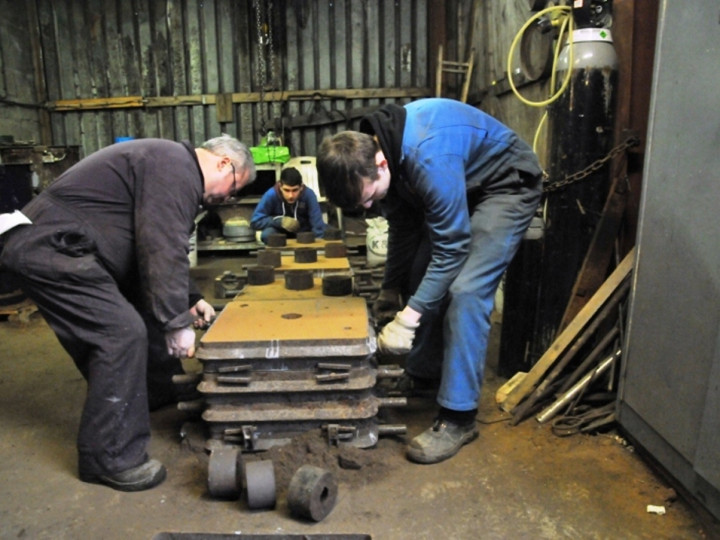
145	476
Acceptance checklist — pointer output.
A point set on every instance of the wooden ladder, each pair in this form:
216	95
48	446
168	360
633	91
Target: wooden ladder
449	66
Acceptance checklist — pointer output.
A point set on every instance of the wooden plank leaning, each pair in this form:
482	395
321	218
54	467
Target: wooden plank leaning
566	337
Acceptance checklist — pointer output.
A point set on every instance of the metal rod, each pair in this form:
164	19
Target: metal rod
553	409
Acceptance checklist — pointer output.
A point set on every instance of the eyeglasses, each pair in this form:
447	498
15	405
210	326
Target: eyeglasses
234	189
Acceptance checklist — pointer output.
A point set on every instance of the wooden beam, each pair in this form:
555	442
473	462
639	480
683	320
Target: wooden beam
597	259
237	97
567	336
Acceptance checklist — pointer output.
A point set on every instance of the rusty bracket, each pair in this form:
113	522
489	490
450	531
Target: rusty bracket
337	433
246	435
229	374
228	285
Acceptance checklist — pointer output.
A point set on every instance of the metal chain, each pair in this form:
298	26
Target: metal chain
271	46
628	143
260	65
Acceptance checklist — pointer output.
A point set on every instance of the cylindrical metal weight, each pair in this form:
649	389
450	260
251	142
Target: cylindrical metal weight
299	280
337	285
261	275
334	250
305	237
276	240
269	257
259	484
305	255
312	493
224	473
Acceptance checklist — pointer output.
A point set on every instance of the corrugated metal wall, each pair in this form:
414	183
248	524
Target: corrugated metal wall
205	67
87	72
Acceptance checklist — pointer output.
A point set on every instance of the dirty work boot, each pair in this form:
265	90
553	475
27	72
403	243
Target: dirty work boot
442	441
145	476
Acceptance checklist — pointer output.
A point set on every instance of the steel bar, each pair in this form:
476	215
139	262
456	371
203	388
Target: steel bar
563	400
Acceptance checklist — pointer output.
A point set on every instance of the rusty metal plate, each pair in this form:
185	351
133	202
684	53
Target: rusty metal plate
329	408
289	381
325	326
280	536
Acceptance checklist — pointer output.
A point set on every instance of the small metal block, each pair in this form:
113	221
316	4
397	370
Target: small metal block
269	257
260	484
337	285
335	250
224	473
312	493
305	237
305	255
299	280
277	240
261	275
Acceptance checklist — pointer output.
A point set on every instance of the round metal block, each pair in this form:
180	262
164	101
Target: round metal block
312	493
299	280
337	285
305	255
332	233
224	473
260	484
260	275
269	257
335	250
277	240
305	237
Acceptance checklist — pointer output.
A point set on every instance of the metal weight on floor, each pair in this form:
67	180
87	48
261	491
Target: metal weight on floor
224	473
259	484
312	493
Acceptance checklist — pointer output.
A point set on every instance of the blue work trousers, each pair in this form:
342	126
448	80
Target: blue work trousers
451	342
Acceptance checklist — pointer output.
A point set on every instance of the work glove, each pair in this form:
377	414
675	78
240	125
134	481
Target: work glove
397	336
290	224
203	314
181	342
386	305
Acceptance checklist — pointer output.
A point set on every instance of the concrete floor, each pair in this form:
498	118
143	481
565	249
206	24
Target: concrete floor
513	482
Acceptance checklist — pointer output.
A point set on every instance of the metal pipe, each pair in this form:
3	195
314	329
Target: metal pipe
552	410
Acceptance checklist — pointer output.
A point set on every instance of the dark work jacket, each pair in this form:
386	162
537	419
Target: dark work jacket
137	201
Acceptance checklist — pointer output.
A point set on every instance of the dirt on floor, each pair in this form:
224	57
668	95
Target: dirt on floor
513	482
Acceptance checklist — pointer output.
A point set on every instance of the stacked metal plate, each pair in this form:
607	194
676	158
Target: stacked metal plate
275	368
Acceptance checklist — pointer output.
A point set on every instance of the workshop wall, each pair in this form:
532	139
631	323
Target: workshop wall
19	99
86	73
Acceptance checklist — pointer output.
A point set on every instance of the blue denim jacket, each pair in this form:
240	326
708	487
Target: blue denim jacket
448	149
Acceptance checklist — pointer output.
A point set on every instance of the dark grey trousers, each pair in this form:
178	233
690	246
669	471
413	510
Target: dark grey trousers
104	334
